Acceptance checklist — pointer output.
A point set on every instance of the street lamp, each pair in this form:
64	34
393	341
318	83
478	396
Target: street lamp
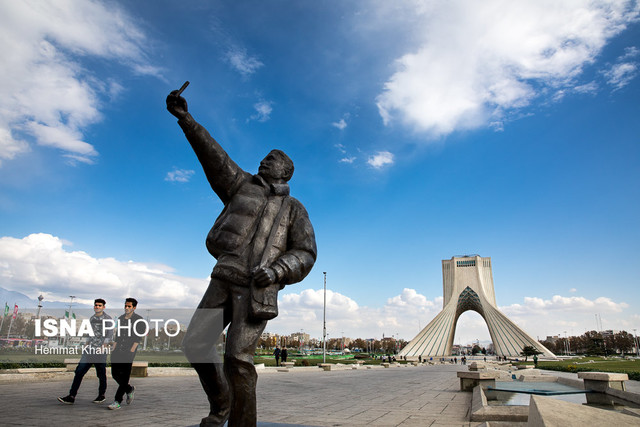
69	317
70	304
324	321
40	298
144	346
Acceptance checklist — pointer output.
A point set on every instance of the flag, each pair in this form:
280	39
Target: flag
6	308
66	313
73	315
15	311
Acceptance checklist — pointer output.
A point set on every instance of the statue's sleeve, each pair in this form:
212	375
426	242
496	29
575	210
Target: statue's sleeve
294	265
223	174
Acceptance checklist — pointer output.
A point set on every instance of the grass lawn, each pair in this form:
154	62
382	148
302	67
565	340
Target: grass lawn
25	358
599	364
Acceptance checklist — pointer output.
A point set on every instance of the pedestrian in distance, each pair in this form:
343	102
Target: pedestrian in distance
94	354
130	331
276	354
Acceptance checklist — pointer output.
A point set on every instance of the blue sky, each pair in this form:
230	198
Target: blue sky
419	131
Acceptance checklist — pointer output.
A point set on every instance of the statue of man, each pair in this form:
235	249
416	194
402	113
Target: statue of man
262	240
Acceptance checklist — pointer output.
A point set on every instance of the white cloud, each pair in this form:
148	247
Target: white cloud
341	124
242	62
341	148
409	297
348	160
263	111
179	175
42	263
46	95
587	88
400	315
380	159
625	70
39	263
557	302
477	62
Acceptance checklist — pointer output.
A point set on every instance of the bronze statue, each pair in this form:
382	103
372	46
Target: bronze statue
262	241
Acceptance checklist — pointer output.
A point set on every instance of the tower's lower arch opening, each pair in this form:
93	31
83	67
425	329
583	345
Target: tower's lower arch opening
471	329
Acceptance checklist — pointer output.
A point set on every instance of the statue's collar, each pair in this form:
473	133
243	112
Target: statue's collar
275	189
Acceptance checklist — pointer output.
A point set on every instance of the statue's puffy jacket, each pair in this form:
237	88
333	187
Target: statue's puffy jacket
240	233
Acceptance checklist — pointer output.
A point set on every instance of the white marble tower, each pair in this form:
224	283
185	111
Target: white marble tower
467	283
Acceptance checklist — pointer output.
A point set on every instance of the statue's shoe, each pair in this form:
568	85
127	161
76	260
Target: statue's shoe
214	420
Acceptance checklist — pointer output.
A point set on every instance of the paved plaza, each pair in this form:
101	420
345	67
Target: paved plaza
396	396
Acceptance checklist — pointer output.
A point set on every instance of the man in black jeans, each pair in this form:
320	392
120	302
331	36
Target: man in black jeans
95	353
130	329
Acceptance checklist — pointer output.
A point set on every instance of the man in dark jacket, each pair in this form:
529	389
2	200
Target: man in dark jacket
130	330
94	353
276	353
263	238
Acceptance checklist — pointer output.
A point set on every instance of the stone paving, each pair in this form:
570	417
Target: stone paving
396	396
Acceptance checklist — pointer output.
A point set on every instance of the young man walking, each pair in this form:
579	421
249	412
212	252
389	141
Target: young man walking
130	331
95	353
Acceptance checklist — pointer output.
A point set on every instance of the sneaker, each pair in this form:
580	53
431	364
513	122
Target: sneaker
114	405
130	395
99	399
67	400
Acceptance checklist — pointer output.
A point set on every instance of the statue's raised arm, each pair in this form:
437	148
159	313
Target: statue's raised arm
222	173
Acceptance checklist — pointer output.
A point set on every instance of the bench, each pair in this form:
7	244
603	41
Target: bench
71	364
288	364
325	366
600	381
138	369
470	379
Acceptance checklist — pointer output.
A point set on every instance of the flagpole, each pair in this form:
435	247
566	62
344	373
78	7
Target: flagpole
6	310
12	317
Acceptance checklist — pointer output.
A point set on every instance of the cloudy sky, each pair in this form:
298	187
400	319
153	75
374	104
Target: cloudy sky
420	130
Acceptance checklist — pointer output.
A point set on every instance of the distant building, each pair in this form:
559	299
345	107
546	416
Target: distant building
300	337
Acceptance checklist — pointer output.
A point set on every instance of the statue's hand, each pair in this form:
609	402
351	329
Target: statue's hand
177	105
264	276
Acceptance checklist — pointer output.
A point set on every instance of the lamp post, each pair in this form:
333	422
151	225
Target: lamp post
324	321
635	341
69	317
144	346
40	298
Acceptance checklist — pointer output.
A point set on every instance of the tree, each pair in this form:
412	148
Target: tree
529	350
358	343
475	350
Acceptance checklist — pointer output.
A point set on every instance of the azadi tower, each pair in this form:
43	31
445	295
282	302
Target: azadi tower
467	283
